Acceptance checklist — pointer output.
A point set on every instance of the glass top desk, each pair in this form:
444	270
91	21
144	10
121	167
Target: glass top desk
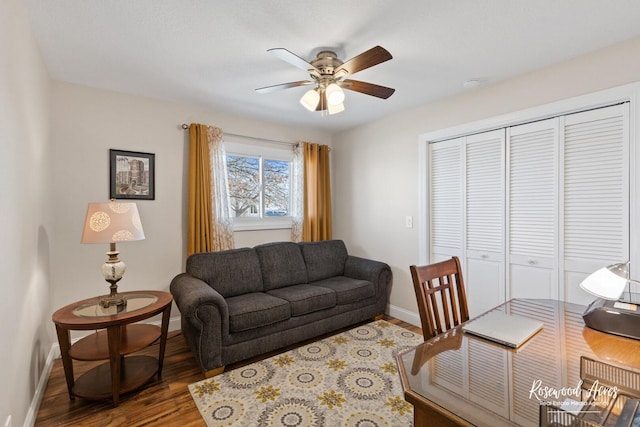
567	374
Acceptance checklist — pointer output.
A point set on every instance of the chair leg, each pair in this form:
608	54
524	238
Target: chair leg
379	317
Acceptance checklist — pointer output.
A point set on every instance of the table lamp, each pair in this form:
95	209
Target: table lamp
112	223
608	313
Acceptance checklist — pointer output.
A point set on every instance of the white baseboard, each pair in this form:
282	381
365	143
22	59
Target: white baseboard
174	324
404	315
54	353
32	413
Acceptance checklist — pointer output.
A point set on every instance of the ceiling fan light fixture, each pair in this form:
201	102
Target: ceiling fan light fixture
327	73
310	99
335	94
334	109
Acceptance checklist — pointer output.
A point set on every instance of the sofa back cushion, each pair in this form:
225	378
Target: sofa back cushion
231	273
282	265
324	259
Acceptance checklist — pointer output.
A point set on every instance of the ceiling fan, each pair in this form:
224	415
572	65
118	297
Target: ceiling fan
328	75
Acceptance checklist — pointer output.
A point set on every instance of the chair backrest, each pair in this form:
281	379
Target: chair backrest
442	300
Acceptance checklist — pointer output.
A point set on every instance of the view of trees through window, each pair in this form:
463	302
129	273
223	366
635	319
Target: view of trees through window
258	187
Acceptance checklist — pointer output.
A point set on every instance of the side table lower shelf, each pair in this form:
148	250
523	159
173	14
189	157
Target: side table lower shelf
134	373
133	338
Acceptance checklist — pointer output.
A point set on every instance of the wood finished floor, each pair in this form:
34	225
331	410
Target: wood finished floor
164	402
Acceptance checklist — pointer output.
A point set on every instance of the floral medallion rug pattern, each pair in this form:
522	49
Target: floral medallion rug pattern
349	379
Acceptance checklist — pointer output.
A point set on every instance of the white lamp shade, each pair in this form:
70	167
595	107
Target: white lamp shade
310	100
605	284
335	95
333	109
112	222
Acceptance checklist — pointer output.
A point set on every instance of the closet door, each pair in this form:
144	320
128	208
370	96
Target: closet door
446	199
595	194
532	219
484	220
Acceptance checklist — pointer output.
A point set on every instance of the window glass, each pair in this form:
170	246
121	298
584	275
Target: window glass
276	188
243	175
259	186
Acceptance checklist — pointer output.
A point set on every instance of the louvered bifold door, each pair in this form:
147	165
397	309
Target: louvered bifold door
596	194
446	199
484	216
532	218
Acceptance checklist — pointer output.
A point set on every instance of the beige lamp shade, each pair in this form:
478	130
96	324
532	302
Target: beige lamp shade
112	222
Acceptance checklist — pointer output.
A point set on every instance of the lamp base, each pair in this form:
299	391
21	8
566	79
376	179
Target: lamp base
113	299
614	317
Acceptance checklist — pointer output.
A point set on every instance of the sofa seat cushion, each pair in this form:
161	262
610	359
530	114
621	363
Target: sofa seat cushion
256	309
305	298
348	290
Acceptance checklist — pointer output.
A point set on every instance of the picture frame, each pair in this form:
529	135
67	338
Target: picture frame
132	175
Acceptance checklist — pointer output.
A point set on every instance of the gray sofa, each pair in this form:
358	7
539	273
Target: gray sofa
241	303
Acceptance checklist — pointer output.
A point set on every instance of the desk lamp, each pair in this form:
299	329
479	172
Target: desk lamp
609	313
112	223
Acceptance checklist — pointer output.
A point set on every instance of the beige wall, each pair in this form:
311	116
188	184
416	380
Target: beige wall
88	122
26	330
377	164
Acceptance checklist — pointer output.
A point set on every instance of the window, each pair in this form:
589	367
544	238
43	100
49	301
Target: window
259	177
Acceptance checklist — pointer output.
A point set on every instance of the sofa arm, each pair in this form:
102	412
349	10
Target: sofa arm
365	269
189	293
376	272
204	317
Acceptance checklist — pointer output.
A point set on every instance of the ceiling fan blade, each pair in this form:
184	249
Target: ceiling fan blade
373	56
291	58
368	88
269	89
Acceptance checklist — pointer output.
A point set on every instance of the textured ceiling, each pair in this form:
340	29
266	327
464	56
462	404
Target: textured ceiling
212	53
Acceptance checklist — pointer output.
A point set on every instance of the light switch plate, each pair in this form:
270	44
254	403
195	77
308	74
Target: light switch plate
408	221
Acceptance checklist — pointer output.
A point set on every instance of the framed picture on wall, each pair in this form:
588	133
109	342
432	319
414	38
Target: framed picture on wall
132	175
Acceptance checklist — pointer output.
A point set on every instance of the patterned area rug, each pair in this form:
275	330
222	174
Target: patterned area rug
349	379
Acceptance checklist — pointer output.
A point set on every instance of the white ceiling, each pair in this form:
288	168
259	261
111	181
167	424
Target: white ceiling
212	53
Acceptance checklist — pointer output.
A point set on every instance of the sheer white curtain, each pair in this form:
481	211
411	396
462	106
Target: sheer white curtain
297	202
222	222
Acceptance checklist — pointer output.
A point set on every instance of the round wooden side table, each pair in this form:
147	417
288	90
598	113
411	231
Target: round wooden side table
117	337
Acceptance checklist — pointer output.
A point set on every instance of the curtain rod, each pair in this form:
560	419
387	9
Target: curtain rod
186	126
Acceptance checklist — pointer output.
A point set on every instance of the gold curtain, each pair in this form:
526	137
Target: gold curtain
200	219
317	223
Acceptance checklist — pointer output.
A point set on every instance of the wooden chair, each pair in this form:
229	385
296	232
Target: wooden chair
442	301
